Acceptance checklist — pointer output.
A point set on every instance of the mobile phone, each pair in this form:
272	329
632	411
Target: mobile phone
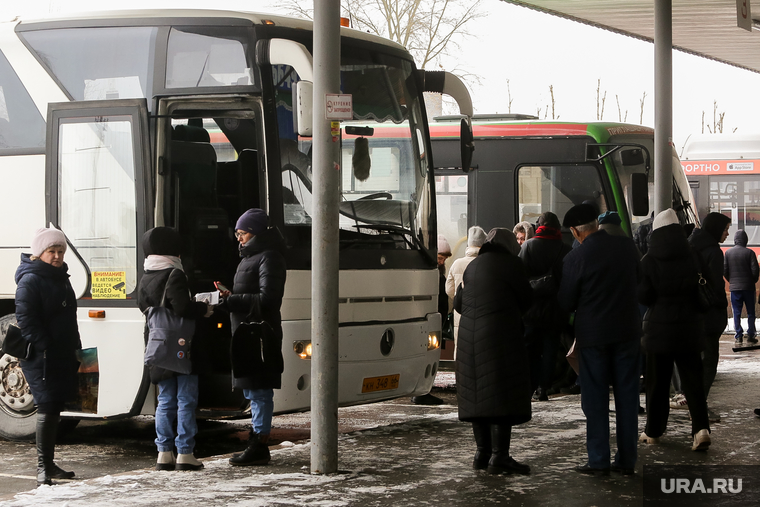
220	287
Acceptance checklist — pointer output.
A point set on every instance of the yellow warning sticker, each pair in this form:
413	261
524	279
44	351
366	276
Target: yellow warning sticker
109	285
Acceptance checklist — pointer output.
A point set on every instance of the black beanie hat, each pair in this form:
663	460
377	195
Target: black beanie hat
714	224
580	214
161	241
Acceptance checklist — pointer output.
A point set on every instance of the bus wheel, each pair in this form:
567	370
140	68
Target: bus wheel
18	416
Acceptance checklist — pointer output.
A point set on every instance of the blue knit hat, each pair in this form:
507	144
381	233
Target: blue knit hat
609	217
254	221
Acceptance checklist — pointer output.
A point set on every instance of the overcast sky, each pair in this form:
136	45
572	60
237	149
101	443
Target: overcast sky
533	51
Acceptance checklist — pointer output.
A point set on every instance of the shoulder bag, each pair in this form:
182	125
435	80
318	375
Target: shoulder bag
546	285
169	338
15	345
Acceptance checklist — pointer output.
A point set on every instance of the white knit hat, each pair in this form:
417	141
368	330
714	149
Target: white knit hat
476	236
663	218
45	238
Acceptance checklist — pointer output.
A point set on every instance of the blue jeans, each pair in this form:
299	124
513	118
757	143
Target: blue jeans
262	408
177	401
616	364
745	298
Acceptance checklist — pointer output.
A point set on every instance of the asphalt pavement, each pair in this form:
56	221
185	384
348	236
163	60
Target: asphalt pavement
397	453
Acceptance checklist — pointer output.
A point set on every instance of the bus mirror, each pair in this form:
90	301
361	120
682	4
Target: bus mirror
632	157
639	198
304	111
466	145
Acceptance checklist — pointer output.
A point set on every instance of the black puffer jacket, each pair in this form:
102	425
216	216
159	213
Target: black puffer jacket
257	293
149	293
668	287
46	311
710	257
740	265
493	380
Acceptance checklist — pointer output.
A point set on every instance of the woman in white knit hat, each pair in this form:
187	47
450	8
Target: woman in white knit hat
476	236
672	329
46	311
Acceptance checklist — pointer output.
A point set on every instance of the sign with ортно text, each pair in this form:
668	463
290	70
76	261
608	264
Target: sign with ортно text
712	167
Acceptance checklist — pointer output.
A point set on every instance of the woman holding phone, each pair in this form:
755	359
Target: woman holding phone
256	295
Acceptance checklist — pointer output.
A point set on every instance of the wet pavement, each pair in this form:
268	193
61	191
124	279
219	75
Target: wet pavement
396	453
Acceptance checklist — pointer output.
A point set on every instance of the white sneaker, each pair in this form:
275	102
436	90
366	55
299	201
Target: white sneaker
165	461
644	439
701	441
188	462
679	402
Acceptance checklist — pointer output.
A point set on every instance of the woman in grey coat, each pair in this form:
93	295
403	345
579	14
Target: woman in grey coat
493	378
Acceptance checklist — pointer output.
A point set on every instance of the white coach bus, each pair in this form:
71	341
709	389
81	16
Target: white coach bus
113	123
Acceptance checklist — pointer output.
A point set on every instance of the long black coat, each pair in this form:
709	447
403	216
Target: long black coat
46	311
149	293
710	256
257	294
493	379
668	288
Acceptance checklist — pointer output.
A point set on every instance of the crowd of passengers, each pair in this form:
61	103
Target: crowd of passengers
535	316
620	307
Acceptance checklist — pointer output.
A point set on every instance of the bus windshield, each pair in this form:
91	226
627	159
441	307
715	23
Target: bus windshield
385	177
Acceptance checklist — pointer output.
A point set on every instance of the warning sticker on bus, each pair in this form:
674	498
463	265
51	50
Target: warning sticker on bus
109	285
372	384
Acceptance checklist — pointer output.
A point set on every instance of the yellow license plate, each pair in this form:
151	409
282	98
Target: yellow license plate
384	383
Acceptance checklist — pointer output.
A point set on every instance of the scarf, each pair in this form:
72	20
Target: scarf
546	232
159	262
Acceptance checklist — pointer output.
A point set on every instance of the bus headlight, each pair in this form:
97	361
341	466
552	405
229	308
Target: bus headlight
434	340
303	349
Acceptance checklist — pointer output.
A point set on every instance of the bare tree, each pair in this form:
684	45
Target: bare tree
551	95
641	113
429	29
600	100
717	124
621	118
509	97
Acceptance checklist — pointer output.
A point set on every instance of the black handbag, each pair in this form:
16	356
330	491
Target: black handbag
254	349
169	338
15	345
546	285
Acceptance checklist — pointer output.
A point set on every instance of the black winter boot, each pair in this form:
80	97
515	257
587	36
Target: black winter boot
257	452
47	470
482	432
501	462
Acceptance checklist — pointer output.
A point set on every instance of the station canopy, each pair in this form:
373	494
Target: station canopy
707	28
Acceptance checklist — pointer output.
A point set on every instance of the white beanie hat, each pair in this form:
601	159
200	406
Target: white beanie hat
476	236
667	217
45	238
443	245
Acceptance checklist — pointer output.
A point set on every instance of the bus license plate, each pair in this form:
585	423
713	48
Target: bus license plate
373	384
